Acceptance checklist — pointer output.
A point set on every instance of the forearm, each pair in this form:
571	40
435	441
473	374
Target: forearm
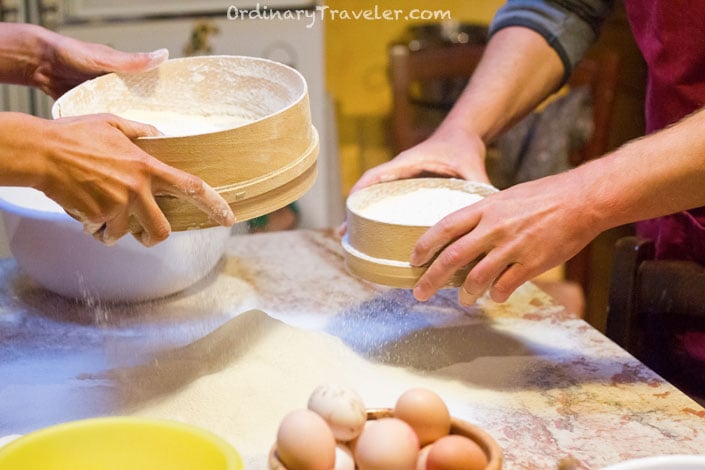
21	149
656	175
518	70
533	48
22	50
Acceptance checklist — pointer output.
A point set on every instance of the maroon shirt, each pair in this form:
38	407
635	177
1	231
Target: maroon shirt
671	36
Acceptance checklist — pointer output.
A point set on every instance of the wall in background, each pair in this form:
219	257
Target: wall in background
356	69
356	50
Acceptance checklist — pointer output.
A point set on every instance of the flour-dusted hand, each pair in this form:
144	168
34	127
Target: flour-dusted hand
91	167
458	155
54	63
70	62
516	234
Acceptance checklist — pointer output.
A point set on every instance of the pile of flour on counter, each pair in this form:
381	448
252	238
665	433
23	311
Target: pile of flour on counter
240	381
421	207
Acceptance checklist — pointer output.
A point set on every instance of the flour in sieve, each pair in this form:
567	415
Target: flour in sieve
422	207
175	124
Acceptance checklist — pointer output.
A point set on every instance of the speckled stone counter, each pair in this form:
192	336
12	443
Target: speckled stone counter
546	386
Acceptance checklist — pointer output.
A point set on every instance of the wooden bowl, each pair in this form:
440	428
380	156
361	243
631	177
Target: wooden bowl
379	250
261	155
492	450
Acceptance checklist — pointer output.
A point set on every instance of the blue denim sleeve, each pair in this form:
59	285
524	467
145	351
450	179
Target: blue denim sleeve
569	26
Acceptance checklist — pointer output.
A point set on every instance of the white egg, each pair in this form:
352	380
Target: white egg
341	407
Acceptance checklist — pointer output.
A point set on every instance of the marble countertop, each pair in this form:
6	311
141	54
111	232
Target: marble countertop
545	385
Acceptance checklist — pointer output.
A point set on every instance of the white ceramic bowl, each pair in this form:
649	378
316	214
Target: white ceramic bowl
662	462
52	249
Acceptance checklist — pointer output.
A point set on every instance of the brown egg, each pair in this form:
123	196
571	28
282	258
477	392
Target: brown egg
305	442
385	444
353	443
425	412
454	452
423	458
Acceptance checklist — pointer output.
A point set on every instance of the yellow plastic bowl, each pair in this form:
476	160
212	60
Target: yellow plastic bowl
120	443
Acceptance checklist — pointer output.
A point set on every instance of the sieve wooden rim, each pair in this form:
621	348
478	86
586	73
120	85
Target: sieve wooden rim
403	277
393	241
251	198
380	251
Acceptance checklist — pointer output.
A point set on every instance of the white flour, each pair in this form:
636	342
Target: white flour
175	124
245	376
423	207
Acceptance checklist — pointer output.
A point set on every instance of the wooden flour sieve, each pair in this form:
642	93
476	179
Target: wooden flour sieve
379	251
259	166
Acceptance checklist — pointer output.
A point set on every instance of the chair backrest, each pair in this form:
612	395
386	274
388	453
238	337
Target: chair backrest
599	72
407	68
650	302
640	286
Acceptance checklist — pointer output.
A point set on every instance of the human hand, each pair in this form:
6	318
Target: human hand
66	62
514	234
454	156
94	170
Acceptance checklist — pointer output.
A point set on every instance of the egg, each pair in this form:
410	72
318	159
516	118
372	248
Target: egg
387	443
426	412
454	452
341	407
423	457
305	442
353	443
344	459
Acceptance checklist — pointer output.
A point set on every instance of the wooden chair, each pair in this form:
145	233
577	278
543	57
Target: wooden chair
651	302
409	68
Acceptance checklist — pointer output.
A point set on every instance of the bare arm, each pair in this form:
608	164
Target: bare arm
656	175
506	86
518	70
20	52
529	228
35	56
